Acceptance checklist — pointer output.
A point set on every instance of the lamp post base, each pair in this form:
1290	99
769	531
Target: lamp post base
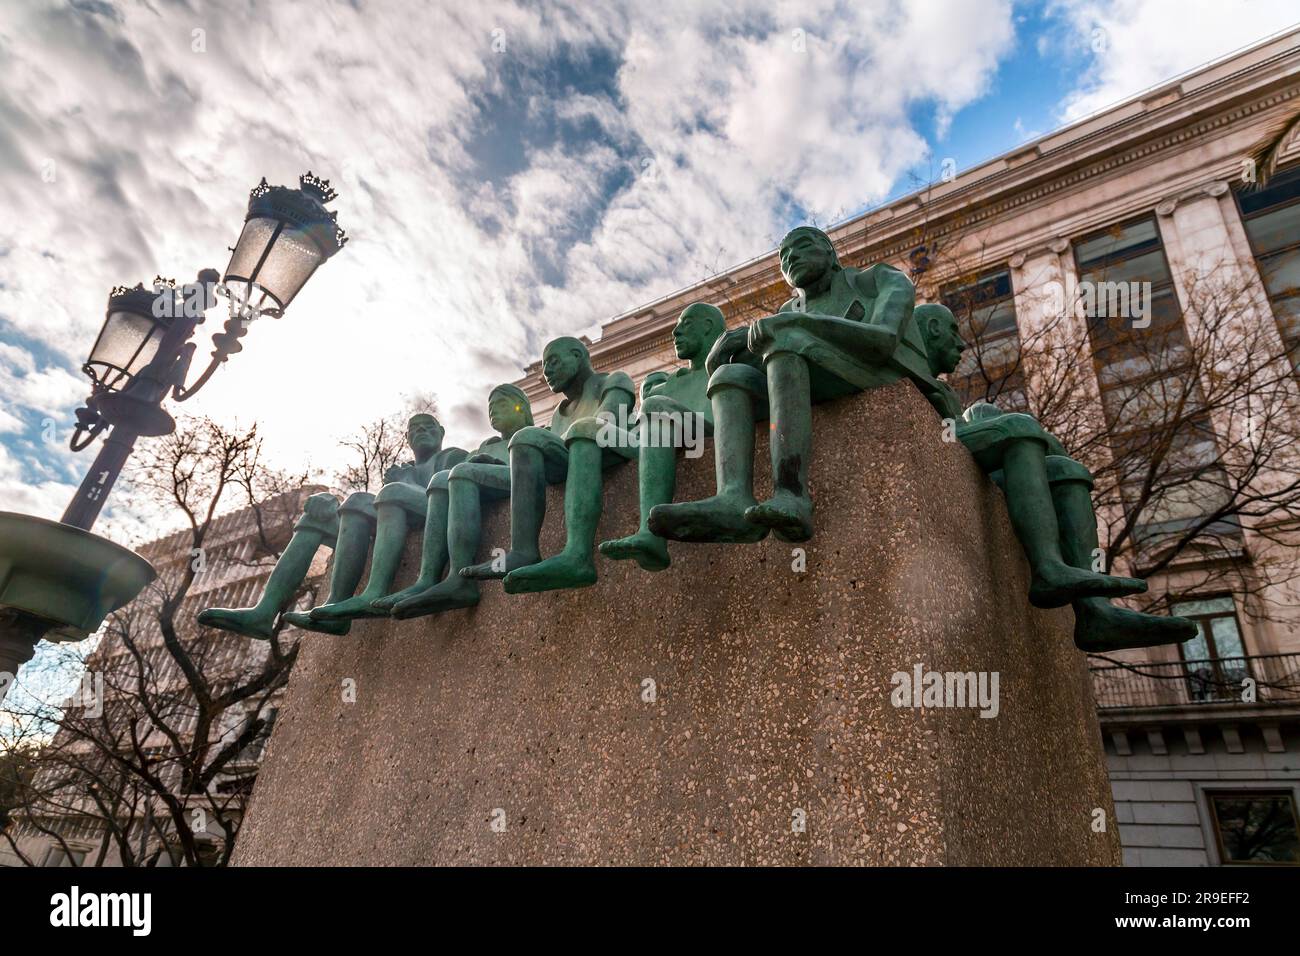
19	634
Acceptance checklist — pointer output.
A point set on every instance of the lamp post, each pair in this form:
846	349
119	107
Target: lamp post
59	581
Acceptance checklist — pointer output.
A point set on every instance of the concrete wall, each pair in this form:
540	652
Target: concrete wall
520	731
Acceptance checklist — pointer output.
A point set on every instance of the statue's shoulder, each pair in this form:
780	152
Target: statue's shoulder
449	457
870	280
607	381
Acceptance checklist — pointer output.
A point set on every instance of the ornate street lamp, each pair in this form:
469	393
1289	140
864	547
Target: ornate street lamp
56	579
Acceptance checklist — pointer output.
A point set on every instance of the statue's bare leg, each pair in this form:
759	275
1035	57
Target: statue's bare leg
386	555
573	567
355	530
789	511
286	577
1033	514
657	475
433	552
527	510
733	391
1098	624
465	488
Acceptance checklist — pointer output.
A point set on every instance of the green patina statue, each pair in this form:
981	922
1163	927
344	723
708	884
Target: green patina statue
1049	499
349	529
451	529
845	330
672	409
574	449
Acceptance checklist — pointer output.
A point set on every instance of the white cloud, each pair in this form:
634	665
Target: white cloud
1132	45
445	285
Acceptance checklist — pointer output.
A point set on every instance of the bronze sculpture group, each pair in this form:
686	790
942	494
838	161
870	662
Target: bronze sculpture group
844	330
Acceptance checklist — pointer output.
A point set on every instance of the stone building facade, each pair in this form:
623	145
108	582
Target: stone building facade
1155	195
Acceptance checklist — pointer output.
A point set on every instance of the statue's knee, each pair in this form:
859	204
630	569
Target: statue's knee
587	429
439	481
358	499
393	493
1061	469
529	436
660	405
744	377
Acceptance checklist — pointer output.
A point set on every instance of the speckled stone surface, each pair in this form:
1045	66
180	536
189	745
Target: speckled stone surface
519	732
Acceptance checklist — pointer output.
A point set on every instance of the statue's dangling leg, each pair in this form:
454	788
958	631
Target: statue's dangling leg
789	511
657	477
433	552
356	528
464	522
1098	624
390	539
574	566
1033	515
286	577
527	510
733	392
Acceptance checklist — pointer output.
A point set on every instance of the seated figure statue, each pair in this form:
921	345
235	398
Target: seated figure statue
845	330
569	451
1049	499
668	400
451	528
348	529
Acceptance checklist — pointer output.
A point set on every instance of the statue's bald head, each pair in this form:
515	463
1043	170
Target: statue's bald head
807	257
939	331
424	434
563	360
697	328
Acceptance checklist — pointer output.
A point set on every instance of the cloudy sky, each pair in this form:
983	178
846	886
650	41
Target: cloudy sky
508	171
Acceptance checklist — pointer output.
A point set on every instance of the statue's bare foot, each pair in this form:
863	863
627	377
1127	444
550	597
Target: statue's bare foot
1057	584
787	514
385	604
242	620
561	571
454	592
1100	626
499	566
303	620
719	518
348	610
646	549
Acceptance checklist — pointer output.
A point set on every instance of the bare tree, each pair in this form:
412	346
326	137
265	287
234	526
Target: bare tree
1198	435
380	445
156	753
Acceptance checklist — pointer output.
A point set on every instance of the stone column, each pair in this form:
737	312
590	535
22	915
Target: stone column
1049	313
1219	287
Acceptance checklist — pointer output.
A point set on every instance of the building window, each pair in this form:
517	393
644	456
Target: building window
1271	216
58	856
990	369
1255	826
1215	659
1149	392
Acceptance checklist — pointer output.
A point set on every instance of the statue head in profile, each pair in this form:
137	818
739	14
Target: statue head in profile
808	257
509	410
424	435
697	328
943	341
565	361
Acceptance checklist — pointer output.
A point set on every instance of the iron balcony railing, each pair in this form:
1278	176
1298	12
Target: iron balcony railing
1257	679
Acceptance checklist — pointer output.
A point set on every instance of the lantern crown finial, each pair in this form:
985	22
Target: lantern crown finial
318	187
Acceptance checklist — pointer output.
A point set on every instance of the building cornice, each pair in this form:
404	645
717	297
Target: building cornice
1167	120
